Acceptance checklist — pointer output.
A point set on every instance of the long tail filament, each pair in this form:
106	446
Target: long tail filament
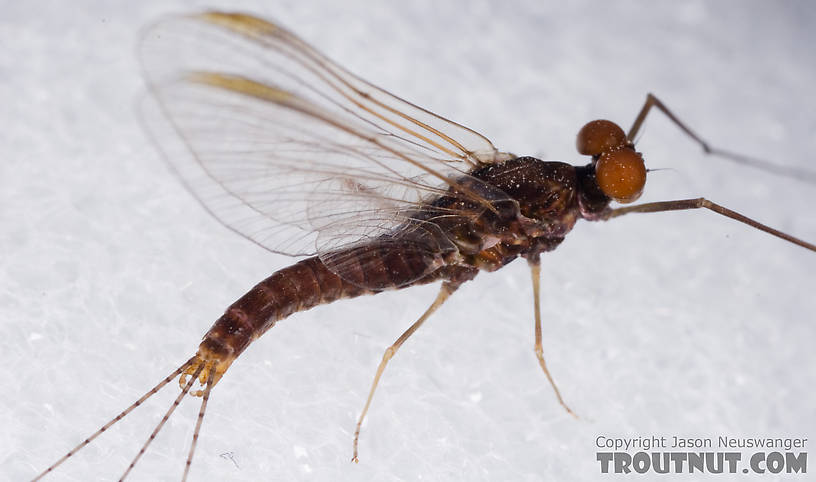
206	396
115	419
161	423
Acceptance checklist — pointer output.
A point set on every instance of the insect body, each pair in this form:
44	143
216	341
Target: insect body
302	157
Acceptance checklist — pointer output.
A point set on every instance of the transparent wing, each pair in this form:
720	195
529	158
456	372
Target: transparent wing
297	154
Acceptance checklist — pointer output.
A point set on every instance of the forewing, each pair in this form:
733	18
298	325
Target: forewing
295	153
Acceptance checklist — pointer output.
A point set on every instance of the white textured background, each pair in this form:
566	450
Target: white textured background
681	323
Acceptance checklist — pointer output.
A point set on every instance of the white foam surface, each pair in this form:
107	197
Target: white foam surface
679	323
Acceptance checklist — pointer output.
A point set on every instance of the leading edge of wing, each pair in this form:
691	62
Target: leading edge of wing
450	138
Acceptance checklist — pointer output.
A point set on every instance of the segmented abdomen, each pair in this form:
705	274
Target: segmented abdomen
304	285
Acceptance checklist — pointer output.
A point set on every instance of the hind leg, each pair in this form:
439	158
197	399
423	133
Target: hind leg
447	289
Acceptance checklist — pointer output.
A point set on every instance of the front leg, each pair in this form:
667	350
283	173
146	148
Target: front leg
773	168
686	204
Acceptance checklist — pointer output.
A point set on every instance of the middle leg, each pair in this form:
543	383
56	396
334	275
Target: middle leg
535	272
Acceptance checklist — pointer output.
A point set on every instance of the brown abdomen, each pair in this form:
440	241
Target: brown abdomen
301	286
304	285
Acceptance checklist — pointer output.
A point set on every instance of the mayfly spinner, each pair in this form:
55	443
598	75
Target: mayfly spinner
304	158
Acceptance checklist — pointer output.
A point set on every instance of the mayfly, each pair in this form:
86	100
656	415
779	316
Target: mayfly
300	156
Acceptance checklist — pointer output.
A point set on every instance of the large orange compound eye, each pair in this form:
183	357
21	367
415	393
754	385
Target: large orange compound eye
621	174
599	136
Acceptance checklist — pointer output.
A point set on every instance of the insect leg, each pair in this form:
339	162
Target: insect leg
683	204
444	293
535	272
773	168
